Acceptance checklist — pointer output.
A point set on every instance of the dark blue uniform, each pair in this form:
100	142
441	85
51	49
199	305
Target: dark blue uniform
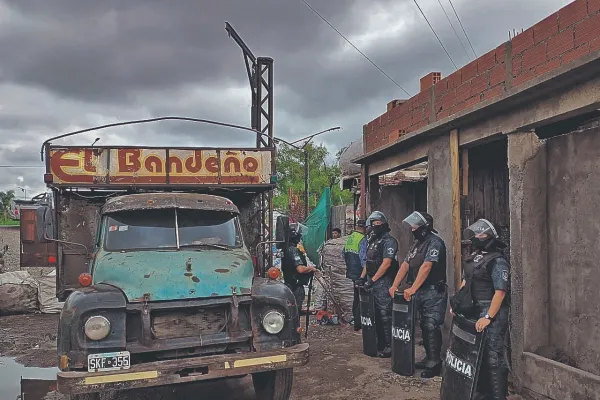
432	298
380	248
490	272
292	258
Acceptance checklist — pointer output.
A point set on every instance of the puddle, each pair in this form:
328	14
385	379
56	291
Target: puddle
35	380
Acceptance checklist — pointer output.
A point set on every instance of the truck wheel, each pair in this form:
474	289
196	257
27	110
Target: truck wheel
273	385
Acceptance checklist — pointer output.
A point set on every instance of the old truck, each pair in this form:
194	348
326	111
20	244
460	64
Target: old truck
163	263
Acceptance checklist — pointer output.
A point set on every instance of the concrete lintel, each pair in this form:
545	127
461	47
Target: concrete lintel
557	381
403	158
577	99
542	87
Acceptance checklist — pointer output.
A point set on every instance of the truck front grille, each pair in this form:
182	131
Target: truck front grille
170	324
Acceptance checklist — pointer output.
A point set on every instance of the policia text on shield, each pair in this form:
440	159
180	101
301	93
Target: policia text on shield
425	266
377	276
484	297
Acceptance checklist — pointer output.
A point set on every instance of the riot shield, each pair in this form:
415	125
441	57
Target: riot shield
367	319
403	336
463	360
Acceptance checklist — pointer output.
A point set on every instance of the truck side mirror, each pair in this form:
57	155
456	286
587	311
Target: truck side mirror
282	232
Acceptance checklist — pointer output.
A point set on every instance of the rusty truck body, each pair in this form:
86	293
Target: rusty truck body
159	261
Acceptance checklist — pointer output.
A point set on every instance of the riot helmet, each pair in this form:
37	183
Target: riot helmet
484	235
378	223
297	230
421	224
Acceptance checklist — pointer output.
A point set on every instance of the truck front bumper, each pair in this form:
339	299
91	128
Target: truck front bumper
184	370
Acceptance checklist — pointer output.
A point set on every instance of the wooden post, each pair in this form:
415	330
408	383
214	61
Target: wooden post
456	228
364	186
465	172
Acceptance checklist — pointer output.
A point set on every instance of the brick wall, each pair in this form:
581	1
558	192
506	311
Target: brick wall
569	34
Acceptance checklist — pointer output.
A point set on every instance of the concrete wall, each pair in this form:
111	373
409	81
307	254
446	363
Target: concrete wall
439	197
574	246
554	195
439	205
529	281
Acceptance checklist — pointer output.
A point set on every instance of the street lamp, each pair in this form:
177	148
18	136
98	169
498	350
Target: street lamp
304	149
24	191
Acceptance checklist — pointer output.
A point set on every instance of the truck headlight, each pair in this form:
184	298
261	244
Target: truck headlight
97	327
273	322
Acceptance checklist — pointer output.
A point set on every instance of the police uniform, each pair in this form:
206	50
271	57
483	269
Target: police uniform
354	254
380	248
431	299
292	258
488	272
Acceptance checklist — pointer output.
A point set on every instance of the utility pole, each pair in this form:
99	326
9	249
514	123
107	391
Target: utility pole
304	149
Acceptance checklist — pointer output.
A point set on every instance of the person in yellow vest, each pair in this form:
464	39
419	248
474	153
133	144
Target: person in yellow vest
355	257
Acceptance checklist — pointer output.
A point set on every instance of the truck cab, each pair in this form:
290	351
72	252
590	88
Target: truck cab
161	280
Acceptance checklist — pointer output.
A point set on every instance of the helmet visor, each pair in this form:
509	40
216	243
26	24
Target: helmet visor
415	220
480	227
299	228
376	218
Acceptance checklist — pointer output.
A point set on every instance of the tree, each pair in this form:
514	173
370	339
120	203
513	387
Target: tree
290	174
5	199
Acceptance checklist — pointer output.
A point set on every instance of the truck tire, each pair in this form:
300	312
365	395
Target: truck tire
273	385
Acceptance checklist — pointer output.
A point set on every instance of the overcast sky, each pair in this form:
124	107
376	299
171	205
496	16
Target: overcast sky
68	65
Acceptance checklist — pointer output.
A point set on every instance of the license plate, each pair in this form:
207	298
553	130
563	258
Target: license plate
109	361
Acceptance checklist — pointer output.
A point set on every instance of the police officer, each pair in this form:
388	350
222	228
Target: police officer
296	273
355	257
489	273
425	265
380	268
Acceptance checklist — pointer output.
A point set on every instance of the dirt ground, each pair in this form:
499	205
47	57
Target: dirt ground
337	367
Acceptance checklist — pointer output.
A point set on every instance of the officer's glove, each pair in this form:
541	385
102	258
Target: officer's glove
369	284
360	282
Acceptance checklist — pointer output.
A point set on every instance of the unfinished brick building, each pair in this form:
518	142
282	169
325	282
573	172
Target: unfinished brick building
514	136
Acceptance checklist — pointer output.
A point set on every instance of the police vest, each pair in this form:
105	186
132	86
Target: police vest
416	258
477	269
375	257
352	256
353	243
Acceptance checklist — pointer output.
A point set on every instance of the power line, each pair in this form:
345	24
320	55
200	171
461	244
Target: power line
436	35
463	28
455	32
355	48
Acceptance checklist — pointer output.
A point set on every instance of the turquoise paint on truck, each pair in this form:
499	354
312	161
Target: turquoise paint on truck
163	275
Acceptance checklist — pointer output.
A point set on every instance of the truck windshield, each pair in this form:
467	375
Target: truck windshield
156	229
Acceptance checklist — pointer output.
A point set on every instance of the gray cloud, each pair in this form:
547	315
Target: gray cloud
72	65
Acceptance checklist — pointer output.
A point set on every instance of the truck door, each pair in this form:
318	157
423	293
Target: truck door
37	231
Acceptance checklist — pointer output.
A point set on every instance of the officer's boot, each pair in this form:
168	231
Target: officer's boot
423	363
434	363
386	323
498	383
